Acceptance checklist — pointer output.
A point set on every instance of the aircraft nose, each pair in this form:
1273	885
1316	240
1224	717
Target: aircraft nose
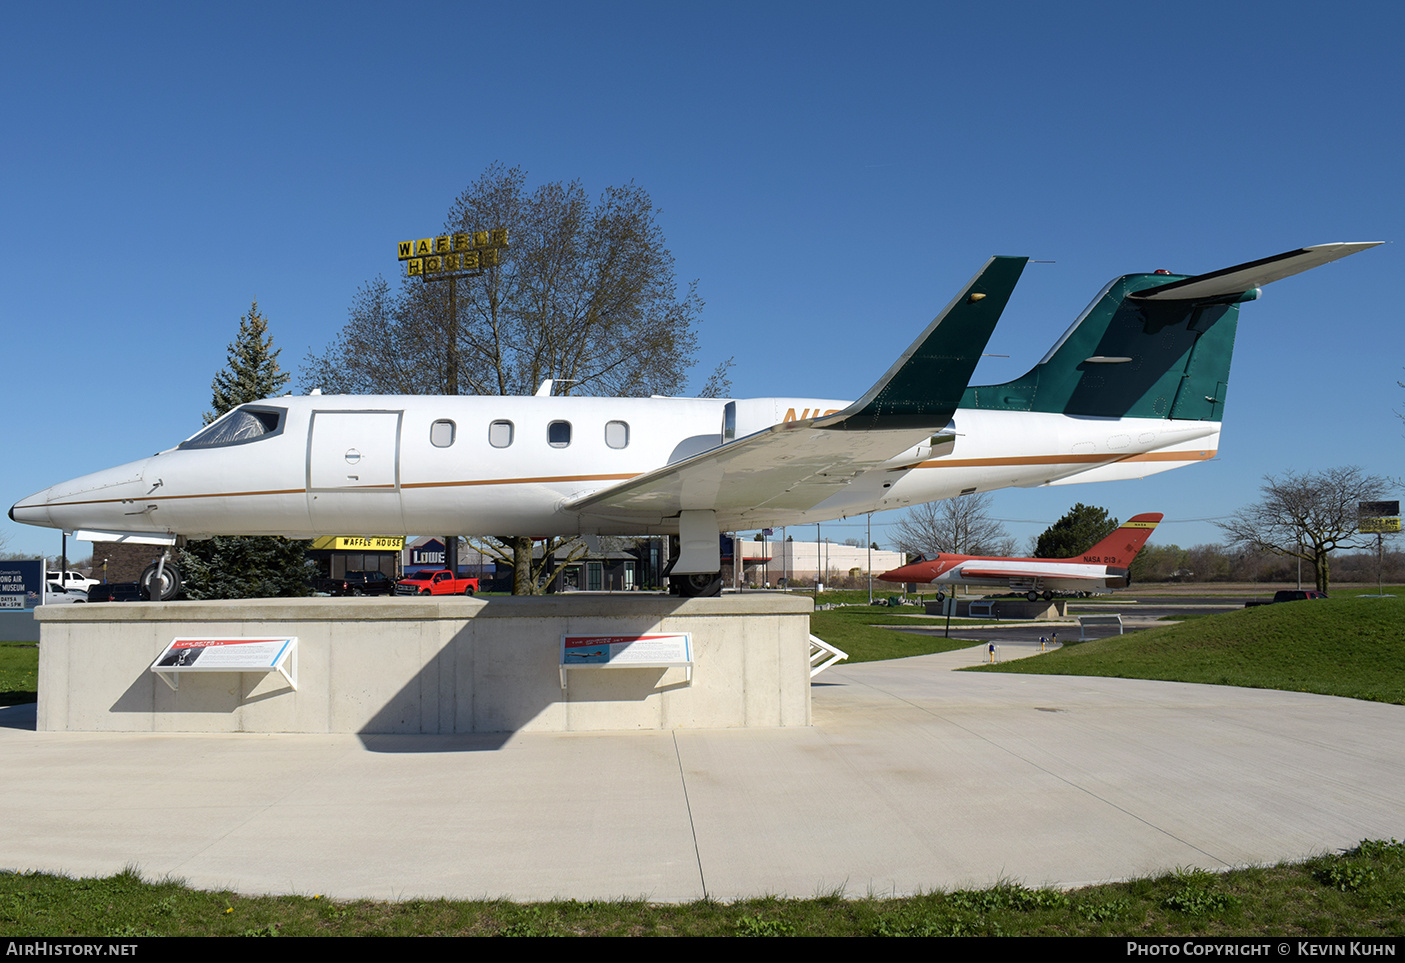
88	501
33	510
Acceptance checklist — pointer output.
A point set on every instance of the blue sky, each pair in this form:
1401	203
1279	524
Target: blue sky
830	174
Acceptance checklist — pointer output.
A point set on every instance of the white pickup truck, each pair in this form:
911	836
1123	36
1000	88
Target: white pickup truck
70	580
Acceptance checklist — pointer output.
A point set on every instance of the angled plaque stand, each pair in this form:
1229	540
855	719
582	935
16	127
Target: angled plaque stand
230	654
653	651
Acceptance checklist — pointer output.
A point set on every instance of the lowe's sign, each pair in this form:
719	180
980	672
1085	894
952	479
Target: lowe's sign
428	553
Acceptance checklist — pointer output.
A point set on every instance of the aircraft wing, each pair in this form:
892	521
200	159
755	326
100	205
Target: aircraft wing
794	466
787	467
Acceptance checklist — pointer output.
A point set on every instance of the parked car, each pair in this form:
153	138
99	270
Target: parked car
356	583
442	582
1287	595
56	594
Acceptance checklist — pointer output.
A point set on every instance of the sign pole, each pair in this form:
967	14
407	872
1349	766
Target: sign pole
1378	518
449	257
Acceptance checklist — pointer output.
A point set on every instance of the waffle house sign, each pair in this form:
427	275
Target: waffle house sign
450	254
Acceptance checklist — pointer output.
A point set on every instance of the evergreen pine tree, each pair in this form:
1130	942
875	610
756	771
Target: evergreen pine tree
1079	530
253	373
251	566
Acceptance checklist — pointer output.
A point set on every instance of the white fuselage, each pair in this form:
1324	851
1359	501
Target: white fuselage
1022	575
379	465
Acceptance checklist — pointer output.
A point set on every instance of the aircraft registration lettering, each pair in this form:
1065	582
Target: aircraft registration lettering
807	413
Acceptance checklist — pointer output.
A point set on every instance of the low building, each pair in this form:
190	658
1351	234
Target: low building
805	563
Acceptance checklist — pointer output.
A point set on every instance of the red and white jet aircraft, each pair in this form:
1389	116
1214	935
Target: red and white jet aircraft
1102	567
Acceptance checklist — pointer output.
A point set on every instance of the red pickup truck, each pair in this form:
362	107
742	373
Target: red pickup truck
442	582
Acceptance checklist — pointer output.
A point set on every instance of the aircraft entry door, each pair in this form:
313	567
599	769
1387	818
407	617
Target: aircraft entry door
353	473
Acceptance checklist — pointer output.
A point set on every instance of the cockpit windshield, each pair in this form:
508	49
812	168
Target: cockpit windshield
239	427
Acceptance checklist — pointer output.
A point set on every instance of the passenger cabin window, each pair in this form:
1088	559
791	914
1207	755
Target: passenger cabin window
558	434
500	434
239	427
441	433
616	434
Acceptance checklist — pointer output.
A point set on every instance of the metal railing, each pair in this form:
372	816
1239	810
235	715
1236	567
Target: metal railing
823	655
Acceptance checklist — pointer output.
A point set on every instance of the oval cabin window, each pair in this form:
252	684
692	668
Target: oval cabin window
616	434
558	434
441	434
500	434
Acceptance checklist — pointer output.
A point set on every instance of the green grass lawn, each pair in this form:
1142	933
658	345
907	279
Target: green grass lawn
19	673
1348	646
1357	893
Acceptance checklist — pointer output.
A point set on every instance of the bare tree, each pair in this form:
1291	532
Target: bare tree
534	573
960	525
584	295
1307	515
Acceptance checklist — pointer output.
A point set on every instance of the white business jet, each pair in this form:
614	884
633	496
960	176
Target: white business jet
1136	386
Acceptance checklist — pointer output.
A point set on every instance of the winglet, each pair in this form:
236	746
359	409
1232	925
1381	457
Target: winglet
1232	281
924	387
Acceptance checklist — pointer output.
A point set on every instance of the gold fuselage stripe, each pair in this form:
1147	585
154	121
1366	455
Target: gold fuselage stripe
1007	461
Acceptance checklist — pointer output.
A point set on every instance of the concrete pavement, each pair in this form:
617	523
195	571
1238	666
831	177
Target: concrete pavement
912	777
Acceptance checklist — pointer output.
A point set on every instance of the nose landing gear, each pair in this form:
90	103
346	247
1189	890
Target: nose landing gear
160	582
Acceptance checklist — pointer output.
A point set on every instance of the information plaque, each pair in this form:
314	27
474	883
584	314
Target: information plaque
662	650
230	654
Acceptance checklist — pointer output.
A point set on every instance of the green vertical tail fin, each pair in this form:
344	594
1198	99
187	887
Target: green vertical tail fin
1150	345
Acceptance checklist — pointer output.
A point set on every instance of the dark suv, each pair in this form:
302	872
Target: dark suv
358	583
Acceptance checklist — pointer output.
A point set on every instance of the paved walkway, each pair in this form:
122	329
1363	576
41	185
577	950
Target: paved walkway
911	778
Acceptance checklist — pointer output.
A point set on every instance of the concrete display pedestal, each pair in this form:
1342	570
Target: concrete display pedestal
436	666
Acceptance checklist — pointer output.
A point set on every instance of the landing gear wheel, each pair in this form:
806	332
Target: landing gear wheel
164	589
941	596
1032	596
1048	596
698	585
